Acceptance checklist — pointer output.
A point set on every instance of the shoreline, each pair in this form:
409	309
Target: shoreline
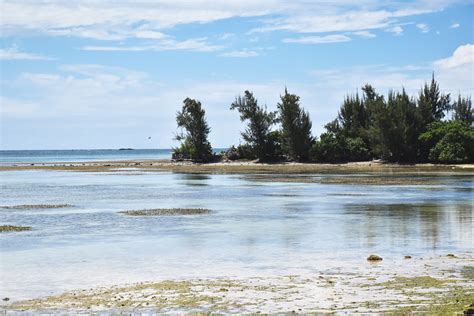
438	284
236	167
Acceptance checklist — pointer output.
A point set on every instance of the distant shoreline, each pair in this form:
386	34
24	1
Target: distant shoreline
233	167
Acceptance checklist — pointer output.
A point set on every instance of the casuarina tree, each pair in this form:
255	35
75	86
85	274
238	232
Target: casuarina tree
195	130
258	133
296	138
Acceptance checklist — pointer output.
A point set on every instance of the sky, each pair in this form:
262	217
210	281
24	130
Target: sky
112	74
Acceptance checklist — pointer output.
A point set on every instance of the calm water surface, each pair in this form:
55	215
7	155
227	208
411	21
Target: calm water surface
81	155
255	228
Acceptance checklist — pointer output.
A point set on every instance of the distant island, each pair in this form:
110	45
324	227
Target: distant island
125	148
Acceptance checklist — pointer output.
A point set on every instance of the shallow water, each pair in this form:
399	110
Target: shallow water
254	229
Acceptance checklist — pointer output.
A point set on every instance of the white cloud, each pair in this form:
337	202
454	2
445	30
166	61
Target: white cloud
455	25
463	55
112	20
91	93
336	38
13	53
365	34
241	53
226	36
454	74
195	44
424	28
397	30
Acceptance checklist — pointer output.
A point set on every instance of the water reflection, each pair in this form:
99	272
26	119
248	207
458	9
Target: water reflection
422	225
194	179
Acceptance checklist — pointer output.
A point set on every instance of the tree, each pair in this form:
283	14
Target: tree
258	131
296	138
432	103
400	127
450	142
463	111
352	116
195	144
375	108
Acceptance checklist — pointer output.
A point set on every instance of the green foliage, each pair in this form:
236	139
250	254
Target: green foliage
194	144
356	149
352	116
375	109
399	128
463	111
328	149
432	103
296	138
450	142
260	122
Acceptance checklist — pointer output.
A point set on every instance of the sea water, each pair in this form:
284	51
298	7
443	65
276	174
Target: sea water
254	228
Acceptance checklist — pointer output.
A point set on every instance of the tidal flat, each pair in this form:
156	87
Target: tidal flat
266	241
375	288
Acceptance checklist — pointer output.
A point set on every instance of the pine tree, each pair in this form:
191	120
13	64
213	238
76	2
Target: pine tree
258	132
296	138
432	104
463	111
195	144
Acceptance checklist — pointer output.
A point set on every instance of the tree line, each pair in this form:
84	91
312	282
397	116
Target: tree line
394	128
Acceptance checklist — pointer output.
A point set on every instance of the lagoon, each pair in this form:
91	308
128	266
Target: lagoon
255	228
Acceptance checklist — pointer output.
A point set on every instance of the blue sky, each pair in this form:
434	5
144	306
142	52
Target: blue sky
110	74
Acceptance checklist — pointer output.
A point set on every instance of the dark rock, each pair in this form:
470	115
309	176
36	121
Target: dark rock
374	258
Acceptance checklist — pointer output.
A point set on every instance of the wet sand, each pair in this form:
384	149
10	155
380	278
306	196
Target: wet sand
435	285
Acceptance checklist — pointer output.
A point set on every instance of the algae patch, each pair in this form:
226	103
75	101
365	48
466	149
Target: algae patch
12	228
421	281
35	206
167	212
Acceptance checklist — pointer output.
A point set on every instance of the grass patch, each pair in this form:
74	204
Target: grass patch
167	212
13	228
35	206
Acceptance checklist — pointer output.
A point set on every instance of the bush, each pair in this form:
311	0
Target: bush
449	142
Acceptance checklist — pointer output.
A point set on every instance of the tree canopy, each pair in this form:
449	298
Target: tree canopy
195	145
296	138
396	128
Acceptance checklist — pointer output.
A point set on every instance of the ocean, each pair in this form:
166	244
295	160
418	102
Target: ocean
82	155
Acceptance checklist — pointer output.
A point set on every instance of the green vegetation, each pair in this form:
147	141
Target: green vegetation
296	138
167	212
397	128
35	206
421	281
195	145
450	142
262	143
12	228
